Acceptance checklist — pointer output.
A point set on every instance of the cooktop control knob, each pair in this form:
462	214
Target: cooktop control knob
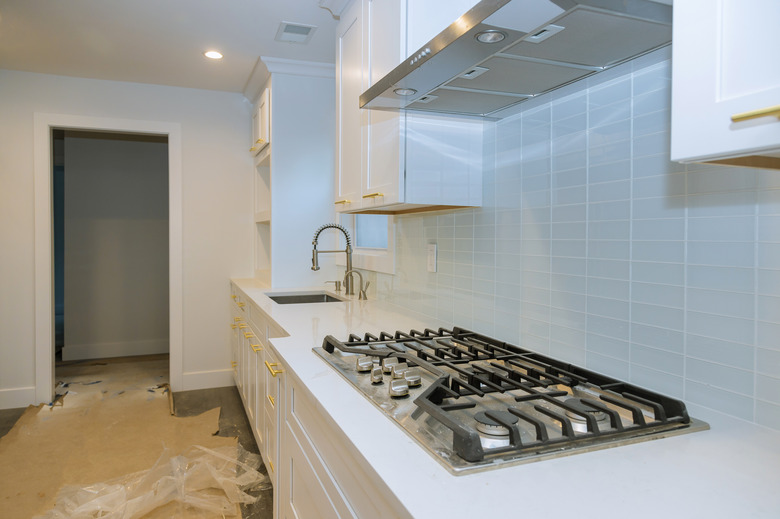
365	364
413	377
388	363
376	375
398	387
399	369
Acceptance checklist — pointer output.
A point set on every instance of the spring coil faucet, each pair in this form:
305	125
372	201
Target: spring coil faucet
348	286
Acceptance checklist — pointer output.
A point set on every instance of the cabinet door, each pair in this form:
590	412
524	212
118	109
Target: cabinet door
385	41
258	424
349	86
272	406
724	63
235	340
261	134
303	496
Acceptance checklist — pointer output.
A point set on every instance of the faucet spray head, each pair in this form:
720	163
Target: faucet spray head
314	262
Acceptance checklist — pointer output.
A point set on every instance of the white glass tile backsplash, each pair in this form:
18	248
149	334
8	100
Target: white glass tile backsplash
592	246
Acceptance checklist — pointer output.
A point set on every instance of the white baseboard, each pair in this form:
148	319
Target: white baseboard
207	379
114	349
14	397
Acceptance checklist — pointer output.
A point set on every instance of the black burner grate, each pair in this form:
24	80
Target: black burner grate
538	400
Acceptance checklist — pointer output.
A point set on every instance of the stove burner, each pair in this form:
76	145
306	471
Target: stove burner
487	425
579	423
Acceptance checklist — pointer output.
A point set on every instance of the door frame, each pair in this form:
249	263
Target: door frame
43	125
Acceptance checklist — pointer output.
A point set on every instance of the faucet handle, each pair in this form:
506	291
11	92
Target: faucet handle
337	284
363	289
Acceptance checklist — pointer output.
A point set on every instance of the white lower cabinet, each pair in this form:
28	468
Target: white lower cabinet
320	475
314	470
271	406
308	489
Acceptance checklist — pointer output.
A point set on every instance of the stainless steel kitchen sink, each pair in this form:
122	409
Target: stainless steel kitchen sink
303	297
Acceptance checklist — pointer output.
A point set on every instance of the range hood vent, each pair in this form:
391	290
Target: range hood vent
531	47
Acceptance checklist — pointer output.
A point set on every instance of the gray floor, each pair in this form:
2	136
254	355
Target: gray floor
232	422
8	418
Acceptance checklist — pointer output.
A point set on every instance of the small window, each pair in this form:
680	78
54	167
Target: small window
371	231
373	241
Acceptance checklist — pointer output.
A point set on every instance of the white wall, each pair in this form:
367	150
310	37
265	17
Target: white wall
217	210
116	245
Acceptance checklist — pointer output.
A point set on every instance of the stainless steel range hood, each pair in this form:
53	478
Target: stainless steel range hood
546	44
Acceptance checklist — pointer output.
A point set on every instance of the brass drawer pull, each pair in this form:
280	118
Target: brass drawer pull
256	347
272	368
249	335
771	111
373	195
272	400
345	201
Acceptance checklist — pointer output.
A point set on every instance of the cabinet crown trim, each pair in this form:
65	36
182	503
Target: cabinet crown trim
299	67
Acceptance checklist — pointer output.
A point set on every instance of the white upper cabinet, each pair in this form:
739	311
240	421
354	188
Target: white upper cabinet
349	85
396	162
724	65
261	122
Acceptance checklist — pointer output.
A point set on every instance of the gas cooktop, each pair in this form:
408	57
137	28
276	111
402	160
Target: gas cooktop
476	403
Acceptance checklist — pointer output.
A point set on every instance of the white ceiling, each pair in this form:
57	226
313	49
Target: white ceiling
159	41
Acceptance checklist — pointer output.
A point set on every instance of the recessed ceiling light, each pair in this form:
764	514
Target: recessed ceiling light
212	54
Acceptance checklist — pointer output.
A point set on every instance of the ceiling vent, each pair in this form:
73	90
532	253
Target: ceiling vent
295	32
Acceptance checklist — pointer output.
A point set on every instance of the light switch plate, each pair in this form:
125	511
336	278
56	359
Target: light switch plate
431	257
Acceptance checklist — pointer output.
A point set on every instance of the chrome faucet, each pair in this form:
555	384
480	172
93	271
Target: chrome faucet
361	288
350	291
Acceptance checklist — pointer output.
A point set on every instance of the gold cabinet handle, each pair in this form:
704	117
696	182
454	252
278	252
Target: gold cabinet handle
259	141
771	111
249	335
241	305
233	326
237	319
234	296
272	400
340	202
256	347
271	465
272	368
233	364
242	326
252	149
373	195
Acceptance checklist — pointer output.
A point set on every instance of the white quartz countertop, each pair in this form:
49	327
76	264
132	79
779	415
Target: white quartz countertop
731	470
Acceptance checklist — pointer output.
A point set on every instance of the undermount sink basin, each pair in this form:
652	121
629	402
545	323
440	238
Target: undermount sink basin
307	297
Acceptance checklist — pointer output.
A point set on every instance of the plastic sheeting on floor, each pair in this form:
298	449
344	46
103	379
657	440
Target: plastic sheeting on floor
201	482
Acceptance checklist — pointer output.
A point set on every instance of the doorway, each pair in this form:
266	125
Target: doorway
44	126
110	229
